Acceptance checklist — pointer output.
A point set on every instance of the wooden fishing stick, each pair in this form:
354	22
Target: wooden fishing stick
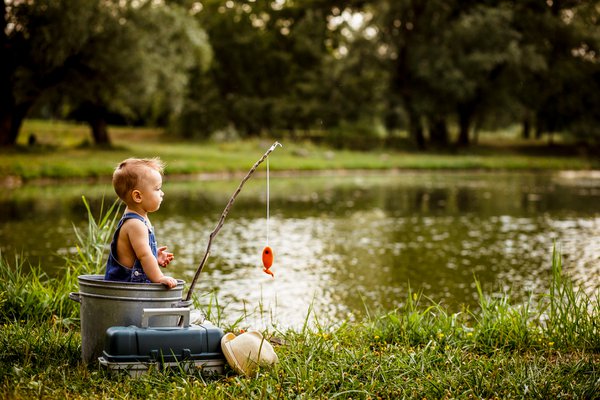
224	215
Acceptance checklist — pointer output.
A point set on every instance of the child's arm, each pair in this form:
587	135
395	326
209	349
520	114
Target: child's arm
138	237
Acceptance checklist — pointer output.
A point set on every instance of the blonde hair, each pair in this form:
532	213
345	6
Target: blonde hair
129	172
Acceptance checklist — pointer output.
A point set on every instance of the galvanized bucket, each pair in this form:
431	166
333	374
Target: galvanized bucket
105	304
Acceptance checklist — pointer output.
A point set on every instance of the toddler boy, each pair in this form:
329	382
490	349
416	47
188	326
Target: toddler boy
134	255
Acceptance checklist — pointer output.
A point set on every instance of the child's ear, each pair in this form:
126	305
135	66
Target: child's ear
136	195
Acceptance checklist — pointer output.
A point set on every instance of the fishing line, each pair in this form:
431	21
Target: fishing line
268	200
267	253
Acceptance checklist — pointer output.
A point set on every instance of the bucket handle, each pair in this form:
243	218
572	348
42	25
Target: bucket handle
153	312
75	296
184	304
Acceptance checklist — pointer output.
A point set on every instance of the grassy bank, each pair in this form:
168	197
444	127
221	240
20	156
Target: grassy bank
62	151
547	348
501	350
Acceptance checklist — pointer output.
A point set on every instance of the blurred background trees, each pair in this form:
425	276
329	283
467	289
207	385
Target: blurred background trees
357	73
96	61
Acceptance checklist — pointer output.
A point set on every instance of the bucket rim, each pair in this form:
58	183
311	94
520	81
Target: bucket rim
97	281
129	299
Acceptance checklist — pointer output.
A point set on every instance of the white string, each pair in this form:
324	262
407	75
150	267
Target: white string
267	201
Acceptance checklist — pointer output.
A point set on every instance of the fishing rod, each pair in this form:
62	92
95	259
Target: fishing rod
223	216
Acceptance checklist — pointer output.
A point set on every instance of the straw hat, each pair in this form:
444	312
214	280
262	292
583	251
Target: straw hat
247	351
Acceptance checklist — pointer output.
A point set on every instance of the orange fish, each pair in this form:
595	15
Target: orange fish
267	259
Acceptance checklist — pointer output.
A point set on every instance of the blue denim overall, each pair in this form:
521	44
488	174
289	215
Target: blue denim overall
115	271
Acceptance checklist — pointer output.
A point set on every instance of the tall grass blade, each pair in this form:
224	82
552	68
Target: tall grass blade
571	317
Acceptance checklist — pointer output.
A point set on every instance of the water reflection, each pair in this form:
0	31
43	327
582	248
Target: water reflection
343	243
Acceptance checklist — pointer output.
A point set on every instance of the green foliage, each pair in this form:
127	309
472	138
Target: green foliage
256	68
360	135
566	320
96	59
572	316
156	49
410	326
91	247
32	348
27	293
502	325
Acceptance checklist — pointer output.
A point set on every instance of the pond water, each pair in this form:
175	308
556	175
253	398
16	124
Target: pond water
343	243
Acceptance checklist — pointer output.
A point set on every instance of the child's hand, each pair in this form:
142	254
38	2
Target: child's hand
168	281
164	257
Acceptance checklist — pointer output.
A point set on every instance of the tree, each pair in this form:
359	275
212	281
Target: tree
564	96
273	70
98	56
446	59
260	60
250	69
479	48
406	29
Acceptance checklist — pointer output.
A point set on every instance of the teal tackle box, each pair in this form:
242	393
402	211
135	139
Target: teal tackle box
136	349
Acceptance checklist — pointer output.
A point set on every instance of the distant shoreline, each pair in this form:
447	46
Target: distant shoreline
9	182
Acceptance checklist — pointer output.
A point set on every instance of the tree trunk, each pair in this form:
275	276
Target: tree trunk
438	131
419	137
476	128
526	133
539	128
416	130
96	117
463	130
466	113
11	119
99	131
5	128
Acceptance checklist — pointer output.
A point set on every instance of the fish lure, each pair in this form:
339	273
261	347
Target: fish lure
267	260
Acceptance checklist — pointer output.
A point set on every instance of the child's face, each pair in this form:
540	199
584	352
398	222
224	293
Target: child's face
150	191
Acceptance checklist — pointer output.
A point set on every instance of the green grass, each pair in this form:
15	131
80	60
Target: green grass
420	351
548	348
63	151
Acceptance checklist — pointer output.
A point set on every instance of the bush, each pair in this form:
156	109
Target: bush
361	135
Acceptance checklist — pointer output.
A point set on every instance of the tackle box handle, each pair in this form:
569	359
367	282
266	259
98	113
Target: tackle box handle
153	312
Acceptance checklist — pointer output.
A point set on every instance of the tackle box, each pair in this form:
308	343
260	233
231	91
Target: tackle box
190	347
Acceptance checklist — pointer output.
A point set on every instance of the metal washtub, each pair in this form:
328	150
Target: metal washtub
105	304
